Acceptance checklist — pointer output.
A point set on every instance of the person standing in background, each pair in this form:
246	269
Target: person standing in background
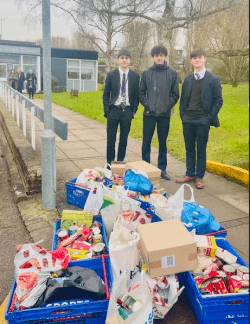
31	83
120	100
20	80
12	78
159	92
201	101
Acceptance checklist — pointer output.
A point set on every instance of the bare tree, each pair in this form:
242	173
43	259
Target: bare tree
225	36
137	39
82	42
57	42
168	15
107	18
93	15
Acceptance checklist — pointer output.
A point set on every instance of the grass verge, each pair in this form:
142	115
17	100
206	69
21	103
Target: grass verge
228	144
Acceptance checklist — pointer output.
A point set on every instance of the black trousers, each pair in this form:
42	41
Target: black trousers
149	123
196	137
31	92
124	120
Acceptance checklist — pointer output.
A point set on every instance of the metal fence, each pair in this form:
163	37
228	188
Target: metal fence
13	100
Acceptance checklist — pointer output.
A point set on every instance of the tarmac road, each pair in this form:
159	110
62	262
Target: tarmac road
12	229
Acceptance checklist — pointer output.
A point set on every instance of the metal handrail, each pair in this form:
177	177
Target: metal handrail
12	97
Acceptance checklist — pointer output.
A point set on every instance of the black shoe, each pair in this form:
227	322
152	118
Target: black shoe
165	175
108	166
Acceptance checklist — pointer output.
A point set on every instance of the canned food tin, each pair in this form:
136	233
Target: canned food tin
235	265
242	270
207	288
229	271
96	230
97	238
234	284
219	286
215	265
243	291
62	234
223	275
97	250
73	229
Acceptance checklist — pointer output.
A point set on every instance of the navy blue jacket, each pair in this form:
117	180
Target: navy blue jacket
211	96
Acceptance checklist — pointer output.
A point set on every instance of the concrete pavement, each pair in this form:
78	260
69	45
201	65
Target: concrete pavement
86	148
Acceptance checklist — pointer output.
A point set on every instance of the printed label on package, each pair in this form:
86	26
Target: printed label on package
168	261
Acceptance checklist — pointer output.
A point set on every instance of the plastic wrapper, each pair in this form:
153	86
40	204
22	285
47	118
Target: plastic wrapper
33	266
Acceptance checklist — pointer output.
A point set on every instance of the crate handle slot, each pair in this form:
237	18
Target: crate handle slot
78	185
236	302
63	311
105	277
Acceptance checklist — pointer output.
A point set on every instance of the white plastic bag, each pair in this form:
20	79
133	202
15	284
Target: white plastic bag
86	176
33	266
106	172
142	294
174	205
95	199
109	215
123	250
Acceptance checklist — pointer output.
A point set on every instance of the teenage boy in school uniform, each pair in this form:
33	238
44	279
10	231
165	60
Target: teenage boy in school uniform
201	101
120	100
159	92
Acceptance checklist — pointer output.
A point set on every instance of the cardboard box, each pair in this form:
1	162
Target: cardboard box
167	248
118	168
153	172
81	216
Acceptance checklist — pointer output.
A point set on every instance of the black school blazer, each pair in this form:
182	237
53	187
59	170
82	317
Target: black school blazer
211	96
112	90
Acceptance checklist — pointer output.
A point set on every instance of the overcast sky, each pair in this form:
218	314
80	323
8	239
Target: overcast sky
14	26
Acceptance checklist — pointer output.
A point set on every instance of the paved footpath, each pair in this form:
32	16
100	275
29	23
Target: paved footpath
86	148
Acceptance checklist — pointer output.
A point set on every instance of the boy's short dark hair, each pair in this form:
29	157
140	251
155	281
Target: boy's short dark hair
124	52
198	53
159	49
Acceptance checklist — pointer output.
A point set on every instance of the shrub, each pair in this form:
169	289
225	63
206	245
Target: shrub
58	89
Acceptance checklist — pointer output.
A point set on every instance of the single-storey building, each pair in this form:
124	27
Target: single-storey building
74	69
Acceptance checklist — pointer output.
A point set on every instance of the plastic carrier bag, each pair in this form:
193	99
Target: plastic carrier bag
200	217
33	266
123	250
136	181
95	199
144	315
175	203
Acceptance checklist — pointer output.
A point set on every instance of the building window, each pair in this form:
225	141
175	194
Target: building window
73	73
3	72
88	74
80	70
30	63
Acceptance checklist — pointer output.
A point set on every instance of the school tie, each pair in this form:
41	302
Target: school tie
123	93
197	76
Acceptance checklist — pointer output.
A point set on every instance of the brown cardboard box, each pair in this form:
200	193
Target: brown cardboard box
167	248
118	167
153	172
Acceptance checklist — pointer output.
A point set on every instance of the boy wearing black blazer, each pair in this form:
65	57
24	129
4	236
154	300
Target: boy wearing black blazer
201	101
120	100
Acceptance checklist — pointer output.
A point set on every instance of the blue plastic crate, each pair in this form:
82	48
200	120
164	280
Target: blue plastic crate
67	312
76	194
217	309
97	218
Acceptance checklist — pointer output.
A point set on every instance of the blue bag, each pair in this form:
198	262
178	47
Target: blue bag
137	182
200	217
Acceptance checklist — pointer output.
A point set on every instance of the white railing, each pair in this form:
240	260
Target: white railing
13	100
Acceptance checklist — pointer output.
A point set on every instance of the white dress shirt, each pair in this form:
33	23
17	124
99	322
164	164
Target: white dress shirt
200	75
119	99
